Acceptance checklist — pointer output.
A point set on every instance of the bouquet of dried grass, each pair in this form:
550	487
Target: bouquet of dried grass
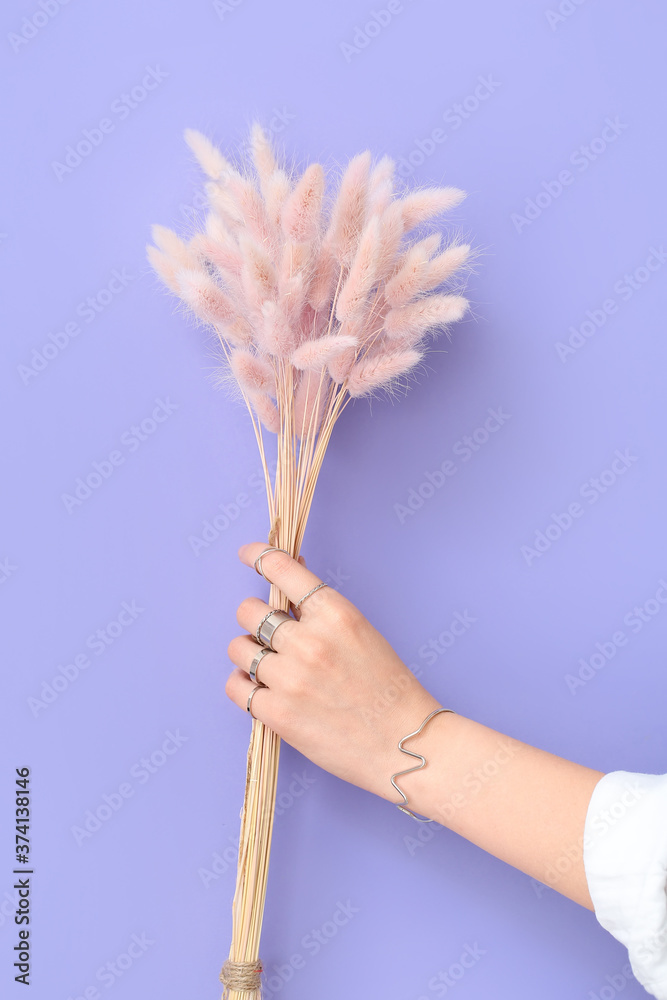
317	296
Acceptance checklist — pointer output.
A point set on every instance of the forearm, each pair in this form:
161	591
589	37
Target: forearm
521	804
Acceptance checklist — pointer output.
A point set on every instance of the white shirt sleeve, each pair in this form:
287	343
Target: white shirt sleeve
625	860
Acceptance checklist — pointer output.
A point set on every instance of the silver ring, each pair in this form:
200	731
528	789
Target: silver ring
255	664
250	697
258	560
305	596
266	627
257	638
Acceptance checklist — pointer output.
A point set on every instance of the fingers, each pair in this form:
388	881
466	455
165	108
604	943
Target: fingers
242	650
293	578
239	687
251	612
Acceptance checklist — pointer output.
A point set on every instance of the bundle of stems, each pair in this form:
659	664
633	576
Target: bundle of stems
316	298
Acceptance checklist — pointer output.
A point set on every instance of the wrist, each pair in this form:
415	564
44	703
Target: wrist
415	762
465	762
428	787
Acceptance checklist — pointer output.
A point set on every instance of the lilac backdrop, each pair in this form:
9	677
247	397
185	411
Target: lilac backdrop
552	119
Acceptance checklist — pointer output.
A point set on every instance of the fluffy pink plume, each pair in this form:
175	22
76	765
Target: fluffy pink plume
205	298
362	274
340	367
420	206
275	334
381	188
164	267
323	281
253	372
296	279
171	255
392	230
208	156
173	246
303	208
225	257
379	372
237	333
349	211
446	264
410	278
278	188
263	156
316	354
267	411
258	275
424	314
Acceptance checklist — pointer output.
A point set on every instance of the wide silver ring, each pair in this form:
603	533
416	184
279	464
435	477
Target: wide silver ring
248	707
255	664
258	560
268	626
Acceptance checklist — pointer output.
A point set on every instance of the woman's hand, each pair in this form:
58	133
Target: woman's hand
335	689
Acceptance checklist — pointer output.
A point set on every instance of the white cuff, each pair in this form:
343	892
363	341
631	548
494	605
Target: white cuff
625	860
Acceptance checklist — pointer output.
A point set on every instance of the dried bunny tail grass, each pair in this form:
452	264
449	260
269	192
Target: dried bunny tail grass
226	257
171	255
410	278
274	333
164	267
263	156
258	275
313	355
292	299
253	372
359	327
391	234
216	227
313	324
237	333
349	211
446	264
224	204
173	246
312	308
420	206
276	192
209	157
380	371
340	366
381	185
362	275
250	207
424	314
430	244
326	272
295	258
266	410
205	298
302	209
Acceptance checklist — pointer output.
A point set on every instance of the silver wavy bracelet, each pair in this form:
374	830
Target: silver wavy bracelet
417	767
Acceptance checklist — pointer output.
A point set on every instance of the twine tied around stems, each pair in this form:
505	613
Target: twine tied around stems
241	976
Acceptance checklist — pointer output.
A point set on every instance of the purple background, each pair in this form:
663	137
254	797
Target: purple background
551	85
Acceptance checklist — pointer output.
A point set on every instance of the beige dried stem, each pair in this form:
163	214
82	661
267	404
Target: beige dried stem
316	297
